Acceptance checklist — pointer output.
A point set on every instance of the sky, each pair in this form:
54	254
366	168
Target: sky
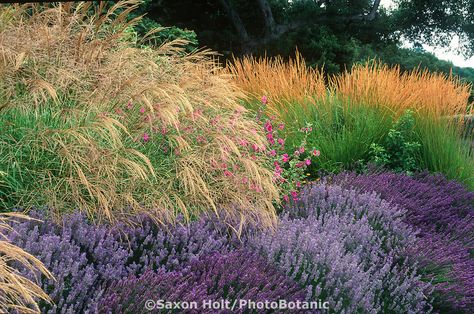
444	54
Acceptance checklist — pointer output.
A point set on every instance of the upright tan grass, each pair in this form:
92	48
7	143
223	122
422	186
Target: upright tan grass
281	80
376	84
80	62
17	292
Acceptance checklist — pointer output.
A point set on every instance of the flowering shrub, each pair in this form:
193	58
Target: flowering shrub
345	248
289	168
84	257
432	202
239	275
17	291
443	211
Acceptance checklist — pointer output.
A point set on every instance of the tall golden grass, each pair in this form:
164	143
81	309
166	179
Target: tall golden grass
376	84
80	63
372	83
278	79
17	292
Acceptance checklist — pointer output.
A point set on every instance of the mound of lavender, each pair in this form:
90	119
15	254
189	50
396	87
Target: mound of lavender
443	211
344	247
238	275
85	258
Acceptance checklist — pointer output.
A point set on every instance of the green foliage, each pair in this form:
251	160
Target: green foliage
342	132
166	34
443	150
398	151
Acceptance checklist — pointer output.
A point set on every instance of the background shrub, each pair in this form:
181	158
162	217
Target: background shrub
346	249
238	275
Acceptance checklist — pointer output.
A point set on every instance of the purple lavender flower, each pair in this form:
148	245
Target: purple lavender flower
238	275
443	211
344	247
85	257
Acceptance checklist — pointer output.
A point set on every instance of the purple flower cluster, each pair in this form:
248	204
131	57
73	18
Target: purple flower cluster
443	211
343	246
85	258
239	275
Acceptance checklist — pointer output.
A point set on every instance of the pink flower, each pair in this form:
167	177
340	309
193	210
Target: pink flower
307	162
245	180
264	100
298	184
268	126
299	165
316	152
286	198
273	153
281	141
301	150
285	158
281	126
297	152
294	194
118	111
227	173
146	137
142	110
129	105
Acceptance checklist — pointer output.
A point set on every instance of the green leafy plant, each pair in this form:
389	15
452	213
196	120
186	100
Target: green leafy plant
399	150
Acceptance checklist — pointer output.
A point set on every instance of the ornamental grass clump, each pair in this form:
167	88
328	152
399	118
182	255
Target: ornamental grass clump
90	118
17	291
281	80
443	211
431	94
346	248
239	275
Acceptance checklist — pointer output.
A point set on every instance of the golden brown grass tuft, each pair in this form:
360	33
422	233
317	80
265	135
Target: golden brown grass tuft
17	292
73	66
376	84
281	80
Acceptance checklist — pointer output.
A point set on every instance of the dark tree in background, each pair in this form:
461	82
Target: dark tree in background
333	33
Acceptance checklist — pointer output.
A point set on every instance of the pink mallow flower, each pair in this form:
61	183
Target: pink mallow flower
281	141
286	198
285	158
146	137
301	150
273	153
281	126
316	152
264	100
268	126
142	110
307	162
